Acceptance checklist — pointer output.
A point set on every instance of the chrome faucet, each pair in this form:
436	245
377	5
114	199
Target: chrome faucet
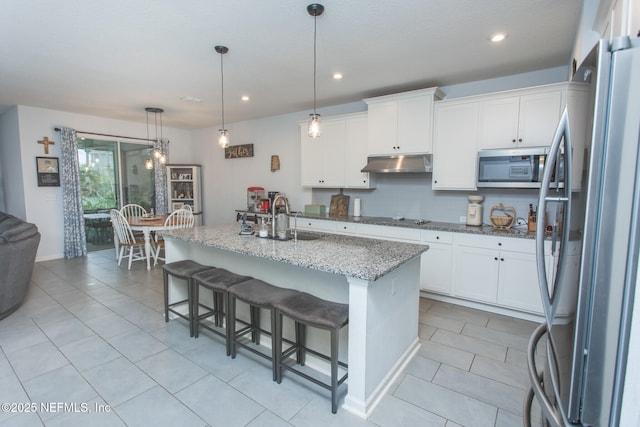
273	211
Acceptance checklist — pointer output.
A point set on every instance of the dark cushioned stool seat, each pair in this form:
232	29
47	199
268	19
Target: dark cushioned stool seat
257	294
308	310
219	281
184	270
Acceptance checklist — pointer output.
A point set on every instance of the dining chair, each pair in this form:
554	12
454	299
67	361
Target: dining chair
182	218
132	209
126	238
187	207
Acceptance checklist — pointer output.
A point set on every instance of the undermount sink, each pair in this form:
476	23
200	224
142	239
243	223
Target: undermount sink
308	236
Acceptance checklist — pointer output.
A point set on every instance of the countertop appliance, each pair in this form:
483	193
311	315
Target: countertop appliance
585	361
515	168
475	210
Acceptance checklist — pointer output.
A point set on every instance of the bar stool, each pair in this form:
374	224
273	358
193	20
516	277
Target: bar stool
308	310
257	294
218	280
181	270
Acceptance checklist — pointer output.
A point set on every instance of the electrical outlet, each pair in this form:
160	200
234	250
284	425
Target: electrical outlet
462	219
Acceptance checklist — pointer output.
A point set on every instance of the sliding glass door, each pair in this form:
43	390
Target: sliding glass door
112	174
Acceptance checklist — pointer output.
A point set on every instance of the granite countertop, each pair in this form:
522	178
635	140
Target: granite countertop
363	258
486	230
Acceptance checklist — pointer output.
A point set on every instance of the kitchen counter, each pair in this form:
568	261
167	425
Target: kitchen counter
379	279
366	259
486	230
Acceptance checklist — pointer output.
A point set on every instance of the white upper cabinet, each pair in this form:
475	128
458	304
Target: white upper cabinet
356	131
401	123
454	145
334	160
510	119
323	158
519	121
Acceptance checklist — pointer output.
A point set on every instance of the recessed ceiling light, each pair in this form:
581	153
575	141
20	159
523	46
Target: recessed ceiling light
498	37
337	76
245	98
191	99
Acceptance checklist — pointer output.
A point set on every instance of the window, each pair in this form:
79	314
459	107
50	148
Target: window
112	174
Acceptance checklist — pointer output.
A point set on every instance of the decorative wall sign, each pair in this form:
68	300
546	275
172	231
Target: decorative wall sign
275	163
48	170
237	151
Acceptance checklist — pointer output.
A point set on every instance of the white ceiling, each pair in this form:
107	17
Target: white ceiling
113	58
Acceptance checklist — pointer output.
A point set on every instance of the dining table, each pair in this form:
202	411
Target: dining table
147	224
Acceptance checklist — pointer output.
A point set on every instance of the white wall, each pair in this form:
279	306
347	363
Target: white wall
43	205
225	181
13	194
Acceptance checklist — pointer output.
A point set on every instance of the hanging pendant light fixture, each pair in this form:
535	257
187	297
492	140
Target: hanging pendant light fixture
315	10
158	153
223	137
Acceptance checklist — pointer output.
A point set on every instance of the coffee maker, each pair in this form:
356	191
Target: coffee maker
254	197
474	210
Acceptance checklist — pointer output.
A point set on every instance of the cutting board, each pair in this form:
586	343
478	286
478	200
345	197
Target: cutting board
339	205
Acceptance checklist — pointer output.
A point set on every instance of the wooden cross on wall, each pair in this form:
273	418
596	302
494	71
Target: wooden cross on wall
46	143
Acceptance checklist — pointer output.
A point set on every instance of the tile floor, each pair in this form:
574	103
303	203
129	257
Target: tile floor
90	347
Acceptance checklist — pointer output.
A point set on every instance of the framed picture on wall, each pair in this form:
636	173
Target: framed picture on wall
48	171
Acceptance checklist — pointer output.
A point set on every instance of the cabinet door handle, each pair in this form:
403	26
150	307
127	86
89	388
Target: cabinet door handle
501	259
513	140
496	258
519	139
437	237
499	243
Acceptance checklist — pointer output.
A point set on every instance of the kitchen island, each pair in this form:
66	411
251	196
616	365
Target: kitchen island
379	280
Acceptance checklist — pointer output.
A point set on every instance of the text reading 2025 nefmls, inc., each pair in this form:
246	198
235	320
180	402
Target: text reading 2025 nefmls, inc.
54	407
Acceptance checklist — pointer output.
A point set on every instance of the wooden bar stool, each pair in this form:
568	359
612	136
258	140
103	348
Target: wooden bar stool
184	270
257	294
218	280
308	310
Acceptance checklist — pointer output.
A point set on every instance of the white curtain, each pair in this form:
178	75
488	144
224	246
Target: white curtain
75	242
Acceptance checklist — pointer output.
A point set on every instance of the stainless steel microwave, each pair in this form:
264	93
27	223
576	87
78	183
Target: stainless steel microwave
516	168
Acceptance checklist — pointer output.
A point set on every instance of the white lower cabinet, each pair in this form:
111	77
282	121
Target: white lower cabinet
476	273
312	224
435	263
497	270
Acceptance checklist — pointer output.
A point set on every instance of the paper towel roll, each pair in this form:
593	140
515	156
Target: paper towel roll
356	207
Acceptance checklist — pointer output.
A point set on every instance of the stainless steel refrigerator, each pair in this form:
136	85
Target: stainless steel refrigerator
581	376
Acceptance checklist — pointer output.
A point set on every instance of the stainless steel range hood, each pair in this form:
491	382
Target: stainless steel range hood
419	163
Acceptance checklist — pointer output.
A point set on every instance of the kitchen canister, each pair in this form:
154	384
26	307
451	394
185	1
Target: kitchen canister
356	206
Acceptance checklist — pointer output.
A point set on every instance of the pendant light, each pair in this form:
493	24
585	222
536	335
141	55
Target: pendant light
148	164
223	137
158	153
315	10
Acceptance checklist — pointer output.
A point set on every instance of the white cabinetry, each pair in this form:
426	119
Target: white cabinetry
312	224
334	160
435	263
497	270
519	121
183	188
356	137
401	123
323	159
454	145
510	119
